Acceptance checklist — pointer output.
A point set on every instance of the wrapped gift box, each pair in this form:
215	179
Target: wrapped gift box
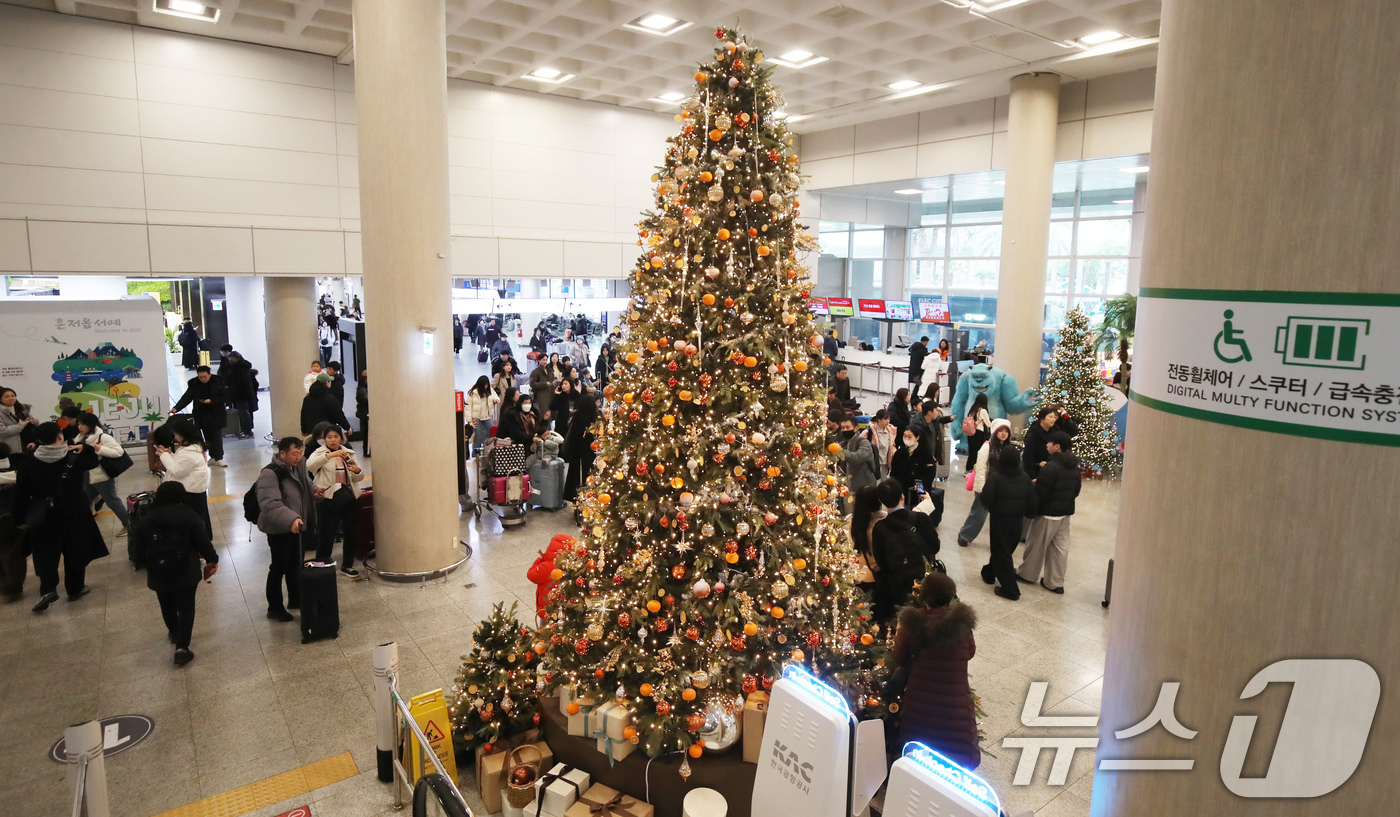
755	714
580	724
608	720
601	801
527	811
616	749
559	789
491	770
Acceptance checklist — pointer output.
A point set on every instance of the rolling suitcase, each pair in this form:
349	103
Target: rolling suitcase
137	506
481	356
514	488
547	484
1108	586
364	546
320	606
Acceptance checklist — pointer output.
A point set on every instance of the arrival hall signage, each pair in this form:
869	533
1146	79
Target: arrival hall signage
1309	364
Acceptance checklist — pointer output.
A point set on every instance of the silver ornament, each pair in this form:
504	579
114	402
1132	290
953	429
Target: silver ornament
741	528
722	730
707	529
700	679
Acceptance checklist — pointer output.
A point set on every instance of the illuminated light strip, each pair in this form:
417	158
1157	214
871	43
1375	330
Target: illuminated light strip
956	776
814	686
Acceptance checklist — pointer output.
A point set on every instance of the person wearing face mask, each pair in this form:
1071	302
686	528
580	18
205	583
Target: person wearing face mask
53	513
881	434
987	458
912	463
519	423
334	472
860	466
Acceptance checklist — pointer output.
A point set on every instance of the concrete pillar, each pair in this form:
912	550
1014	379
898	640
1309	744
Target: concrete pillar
1025	232
401	101
291	346
1274	167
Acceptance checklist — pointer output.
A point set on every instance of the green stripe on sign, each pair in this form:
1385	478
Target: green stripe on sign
1273	296
1325	334
1302	341
1271	426
1346	347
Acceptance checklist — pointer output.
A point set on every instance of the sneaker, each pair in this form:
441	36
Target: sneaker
220	463
79	594
1059	590
280	615
351	572
124	532
44	602
183	656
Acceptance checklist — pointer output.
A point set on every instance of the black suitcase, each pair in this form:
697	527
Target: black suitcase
1108	585
320	606
481	356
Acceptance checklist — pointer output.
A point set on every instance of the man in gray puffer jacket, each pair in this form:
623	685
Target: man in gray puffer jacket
287	514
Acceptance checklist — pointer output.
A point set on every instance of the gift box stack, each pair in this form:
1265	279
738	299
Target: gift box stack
570	792
491	768
577	710
610	724
755	715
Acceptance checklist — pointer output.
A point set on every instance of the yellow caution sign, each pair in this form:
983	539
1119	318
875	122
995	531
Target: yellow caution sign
430	712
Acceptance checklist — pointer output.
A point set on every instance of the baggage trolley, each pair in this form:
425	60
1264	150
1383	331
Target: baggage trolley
502	485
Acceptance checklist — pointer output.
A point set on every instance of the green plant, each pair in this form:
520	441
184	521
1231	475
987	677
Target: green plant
170	339
161	288
1119	320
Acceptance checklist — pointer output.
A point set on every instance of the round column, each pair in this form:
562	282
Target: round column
401	103
1274	172
1025	231
291	346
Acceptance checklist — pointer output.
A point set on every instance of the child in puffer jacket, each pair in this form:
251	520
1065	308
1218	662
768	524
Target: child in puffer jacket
542	571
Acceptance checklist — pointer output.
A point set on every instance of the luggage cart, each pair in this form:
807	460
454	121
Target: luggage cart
502	460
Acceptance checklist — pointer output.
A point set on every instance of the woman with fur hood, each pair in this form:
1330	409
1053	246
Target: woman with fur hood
933	645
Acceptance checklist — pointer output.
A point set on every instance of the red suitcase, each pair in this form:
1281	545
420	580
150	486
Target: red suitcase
364	546
504	490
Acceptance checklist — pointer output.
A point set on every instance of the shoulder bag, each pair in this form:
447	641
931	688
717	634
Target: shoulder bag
114	467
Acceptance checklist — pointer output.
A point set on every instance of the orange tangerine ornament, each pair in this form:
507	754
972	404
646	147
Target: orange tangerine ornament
646	690
750	629
668	420
834	448
688	694
655	607
750	361
722	235
716	135
707	299
867	639
799	564
776	612
696	749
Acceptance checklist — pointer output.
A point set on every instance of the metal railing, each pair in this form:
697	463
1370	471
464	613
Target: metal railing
395	727
87	772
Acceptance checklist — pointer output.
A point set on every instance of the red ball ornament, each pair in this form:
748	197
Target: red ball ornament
695	723
634	416
719	34
536	719
672	366
678	572
813	639
641	469
795	451
774	156
692	633
731	546
671	381
624	620
617	578
663	708
750	552
767	682
581	646
647	395
737	643
826	581
737	65
750	684
580	582
521	775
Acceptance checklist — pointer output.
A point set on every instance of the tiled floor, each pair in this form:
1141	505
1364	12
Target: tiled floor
256	702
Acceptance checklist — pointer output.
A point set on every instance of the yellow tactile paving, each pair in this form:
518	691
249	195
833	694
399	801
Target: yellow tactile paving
270	790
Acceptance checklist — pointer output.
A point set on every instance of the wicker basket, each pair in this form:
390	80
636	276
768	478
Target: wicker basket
520	796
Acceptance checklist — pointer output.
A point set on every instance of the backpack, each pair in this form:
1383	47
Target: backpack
969	426
251	509
165	555
902	547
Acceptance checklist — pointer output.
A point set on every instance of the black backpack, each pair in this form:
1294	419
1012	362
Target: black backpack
251	510
902	548
166	555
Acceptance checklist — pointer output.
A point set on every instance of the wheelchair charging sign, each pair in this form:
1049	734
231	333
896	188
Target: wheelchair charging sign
1310	364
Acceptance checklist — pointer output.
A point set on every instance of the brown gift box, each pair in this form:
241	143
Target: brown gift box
601	801
755	714
491	770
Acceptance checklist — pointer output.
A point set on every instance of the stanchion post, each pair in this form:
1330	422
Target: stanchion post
82	745
386	667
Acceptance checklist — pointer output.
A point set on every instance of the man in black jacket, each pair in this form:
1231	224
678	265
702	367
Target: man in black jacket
1047	545
320	406
917	353
208	394
238	379
175	539
901	541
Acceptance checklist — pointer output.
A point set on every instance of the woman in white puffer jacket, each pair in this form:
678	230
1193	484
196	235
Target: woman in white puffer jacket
99	484
998	435
481	412
185	462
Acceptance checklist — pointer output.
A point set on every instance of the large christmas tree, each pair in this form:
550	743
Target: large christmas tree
712	553
1073	381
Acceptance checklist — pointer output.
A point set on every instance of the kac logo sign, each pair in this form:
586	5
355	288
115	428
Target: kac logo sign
792	766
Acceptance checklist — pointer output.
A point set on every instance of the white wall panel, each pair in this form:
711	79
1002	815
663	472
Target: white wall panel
346	140
537	259
347	170
209	55
471	181
33	68
50	147
585	260
188	249
354	254
894	132
1121	93
28	184
467	152
69	35
60	109
1118	135
468	123
955	156
203	90
14	246
163	121
885	165
1072	101
470	210
170	157
1069	141
69	212
824	144
834	172
232	196
298	252
475	257
956	121
73	246
469	95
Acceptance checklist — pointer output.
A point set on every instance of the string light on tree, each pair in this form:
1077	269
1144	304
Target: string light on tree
709	521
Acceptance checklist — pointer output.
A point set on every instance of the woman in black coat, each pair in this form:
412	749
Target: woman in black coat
899	416
320	406
561	406
169	542
933	645
189	345
1009	497
577	450
52	511
603	368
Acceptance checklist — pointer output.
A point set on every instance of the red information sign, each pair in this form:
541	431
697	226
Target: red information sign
459	402
817	305
933	312
872	309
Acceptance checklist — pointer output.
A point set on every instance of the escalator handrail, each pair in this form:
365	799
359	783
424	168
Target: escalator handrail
440	789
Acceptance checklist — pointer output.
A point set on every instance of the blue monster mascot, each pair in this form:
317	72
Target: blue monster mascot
1002	395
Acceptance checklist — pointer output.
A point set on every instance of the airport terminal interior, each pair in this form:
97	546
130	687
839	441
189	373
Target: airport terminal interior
763	417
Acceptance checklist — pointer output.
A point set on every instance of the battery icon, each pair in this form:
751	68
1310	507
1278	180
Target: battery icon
1328	343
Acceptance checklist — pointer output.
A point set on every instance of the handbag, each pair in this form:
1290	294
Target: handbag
971	479
114	467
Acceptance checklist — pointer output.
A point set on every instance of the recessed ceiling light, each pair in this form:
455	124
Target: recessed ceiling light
661	25
996	5
904	85
910	191
550	75
1101	37
794	117
670	97
188	9
1122	201
1137	169
797	59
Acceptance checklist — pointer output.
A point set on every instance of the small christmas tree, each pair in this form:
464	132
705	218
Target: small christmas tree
712	553
1073	381
494	697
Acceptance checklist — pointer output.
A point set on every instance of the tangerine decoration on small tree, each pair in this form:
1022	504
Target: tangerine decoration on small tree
494	697
712	552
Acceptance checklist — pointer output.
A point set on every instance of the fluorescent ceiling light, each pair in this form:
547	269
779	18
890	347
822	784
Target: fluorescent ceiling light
188	9
797	56
1100	37
911	191
661	25
1137	169
996	5
669	98
797	59
550	75
1122	201
904	84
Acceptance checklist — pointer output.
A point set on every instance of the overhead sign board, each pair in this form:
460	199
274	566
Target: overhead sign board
818	306
1308	364
871	308
841	307
899	310
934	312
